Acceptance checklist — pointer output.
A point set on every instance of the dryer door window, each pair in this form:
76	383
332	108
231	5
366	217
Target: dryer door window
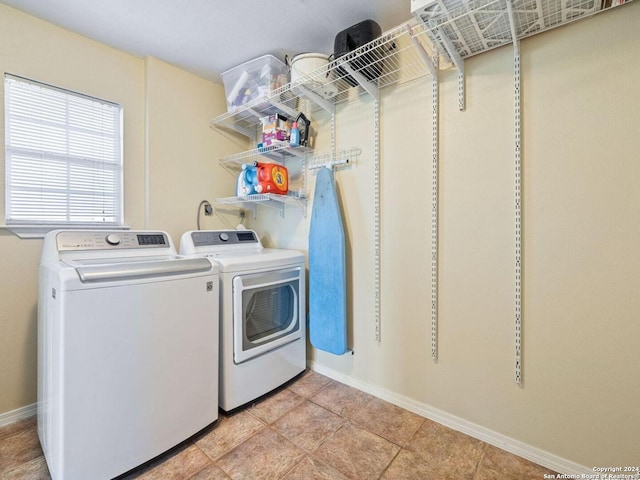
269	312
266	312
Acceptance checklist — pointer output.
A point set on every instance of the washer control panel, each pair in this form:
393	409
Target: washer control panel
105	240
223	237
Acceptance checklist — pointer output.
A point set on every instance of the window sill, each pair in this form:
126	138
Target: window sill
39	231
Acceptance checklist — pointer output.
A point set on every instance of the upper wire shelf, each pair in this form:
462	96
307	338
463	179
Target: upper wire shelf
390	59
470	27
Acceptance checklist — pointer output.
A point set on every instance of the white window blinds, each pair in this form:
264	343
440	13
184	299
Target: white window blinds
63	156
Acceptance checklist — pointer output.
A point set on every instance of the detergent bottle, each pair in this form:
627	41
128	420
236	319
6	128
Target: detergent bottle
294	138
247	180
272	178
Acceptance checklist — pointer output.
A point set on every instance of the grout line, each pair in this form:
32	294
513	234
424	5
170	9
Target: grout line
298	463
390	463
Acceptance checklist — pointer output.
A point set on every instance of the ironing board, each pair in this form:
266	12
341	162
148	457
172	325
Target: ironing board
327	269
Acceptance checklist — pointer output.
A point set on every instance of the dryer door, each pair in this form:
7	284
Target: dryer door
265	312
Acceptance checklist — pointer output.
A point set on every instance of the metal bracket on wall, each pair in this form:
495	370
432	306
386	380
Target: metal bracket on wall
323	103
518	197
343	158
368	86
458	61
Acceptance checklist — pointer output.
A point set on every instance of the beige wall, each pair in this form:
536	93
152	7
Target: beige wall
180	146
581	145
184	151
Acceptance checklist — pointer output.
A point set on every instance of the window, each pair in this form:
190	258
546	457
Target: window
63	157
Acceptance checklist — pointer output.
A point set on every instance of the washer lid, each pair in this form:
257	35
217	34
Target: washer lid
126	269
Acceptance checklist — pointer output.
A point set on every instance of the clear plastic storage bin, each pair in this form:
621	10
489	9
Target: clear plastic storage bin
253	79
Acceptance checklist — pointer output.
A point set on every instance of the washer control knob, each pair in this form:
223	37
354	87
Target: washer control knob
224	237
113	239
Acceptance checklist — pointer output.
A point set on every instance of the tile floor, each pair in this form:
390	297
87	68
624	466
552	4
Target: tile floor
314	428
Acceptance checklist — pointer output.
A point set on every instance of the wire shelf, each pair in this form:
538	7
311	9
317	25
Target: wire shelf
278	152
271	200
475	26
388	60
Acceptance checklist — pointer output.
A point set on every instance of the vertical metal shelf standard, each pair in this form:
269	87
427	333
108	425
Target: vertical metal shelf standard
518	196
373	91
435	160
376	187
433	64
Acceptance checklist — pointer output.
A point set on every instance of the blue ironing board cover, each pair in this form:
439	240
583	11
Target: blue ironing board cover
327	274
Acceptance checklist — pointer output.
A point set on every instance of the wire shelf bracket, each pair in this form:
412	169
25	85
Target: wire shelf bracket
368	86
237	128
458	62
328	160
320	101
290	112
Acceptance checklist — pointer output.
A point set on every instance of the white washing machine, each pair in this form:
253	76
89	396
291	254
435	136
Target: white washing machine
127	350
262	312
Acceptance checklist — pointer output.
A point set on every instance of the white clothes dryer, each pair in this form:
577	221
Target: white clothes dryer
262	312
127	350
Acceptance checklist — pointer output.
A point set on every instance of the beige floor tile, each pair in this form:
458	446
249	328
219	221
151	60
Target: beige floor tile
274	406
210	472
408	466
308	425
229	432
497	463
265	456
356	453
309	384
387	420
20	447
179	465
341	399
311	469
25	424
449	453
35	469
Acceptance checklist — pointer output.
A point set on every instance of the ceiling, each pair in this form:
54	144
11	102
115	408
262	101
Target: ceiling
207	37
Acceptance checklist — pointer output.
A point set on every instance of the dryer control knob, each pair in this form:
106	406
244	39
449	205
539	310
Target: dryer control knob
113	239
224	237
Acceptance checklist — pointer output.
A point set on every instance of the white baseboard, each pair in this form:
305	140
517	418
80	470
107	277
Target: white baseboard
536	455
18	414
